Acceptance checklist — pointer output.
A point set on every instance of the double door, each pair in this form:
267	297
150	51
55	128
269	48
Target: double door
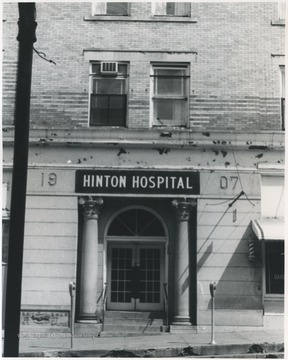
135	277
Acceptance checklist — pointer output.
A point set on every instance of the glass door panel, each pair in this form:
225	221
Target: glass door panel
135	277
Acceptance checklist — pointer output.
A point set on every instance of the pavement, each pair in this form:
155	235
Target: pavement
248	344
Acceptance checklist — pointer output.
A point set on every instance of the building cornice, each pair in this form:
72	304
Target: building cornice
102	137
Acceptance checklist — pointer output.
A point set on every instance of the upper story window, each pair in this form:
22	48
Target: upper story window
281	11
110	8
170	84
282	94
108	95
171	8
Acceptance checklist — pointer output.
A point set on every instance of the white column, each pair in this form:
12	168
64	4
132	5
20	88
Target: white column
181	281
89	260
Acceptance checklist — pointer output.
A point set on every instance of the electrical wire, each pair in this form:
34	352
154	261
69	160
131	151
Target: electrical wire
238	173
42	55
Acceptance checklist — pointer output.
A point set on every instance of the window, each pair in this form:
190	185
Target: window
169	98
282	94
274	267
171	8
108	99
281	11
110	8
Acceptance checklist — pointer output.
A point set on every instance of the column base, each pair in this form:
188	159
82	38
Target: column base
88	319
181	320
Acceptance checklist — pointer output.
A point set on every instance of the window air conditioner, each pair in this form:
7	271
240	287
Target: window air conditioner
109	68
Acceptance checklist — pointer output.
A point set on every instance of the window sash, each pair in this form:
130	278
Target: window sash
171	8
281	10
170	112
108	110
110	8
107	85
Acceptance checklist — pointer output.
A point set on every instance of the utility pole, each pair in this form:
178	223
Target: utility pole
26	37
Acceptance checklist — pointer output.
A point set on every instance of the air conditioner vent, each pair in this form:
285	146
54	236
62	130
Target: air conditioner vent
109	68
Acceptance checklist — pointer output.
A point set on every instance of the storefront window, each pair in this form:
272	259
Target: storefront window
274	259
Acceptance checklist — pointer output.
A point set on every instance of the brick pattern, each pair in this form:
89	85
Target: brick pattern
234	83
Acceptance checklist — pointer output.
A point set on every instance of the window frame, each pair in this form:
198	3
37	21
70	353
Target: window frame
282	11
120	77
163	13
100	9
268	295
282	95
185	97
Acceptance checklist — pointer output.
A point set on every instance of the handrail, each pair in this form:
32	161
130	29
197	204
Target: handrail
104	293
165	285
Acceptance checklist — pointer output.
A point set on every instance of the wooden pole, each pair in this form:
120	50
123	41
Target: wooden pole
26	37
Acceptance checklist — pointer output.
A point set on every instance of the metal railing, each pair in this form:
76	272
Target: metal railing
104	293
166	303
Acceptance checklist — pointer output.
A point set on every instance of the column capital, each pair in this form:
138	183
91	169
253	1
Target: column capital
184	207
91	206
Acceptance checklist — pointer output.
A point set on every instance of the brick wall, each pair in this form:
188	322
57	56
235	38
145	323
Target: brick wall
234	82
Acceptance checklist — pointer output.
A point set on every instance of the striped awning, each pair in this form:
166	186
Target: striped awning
269	228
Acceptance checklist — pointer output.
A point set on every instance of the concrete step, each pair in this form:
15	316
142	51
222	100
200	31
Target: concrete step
134	314
125	322
112	321
180	329
136	329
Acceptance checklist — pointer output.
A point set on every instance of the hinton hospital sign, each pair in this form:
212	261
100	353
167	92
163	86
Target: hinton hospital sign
137	182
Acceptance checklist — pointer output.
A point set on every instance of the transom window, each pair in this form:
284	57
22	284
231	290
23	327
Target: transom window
170	85
108	97
136	222
110	8
171	8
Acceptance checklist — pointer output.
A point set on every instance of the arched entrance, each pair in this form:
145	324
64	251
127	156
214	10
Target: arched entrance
136	256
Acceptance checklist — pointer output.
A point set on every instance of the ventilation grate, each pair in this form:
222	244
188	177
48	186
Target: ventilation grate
109	67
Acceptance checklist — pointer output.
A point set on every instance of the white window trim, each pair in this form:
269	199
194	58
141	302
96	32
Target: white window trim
5	210
93	76
100	9
159	9
281	10
186	95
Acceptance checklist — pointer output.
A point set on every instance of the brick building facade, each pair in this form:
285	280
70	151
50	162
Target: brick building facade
157	142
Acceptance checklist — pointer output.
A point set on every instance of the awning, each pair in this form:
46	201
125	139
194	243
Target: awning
269	228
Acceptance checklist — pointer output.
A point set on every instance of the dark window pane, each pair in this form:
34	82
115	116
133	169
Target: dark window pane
136	222
113	296
157	287
170	8
169	86
109	86
117	8
113	285
274	255
170	111
5	240
157	298
121	285
149	298
108	110
121	297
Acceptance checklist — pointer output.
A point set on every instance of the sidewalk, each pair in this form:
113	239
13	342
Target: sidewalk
162	345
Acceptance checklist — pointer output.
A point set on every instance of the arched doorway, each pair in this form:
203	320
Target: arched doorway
136	256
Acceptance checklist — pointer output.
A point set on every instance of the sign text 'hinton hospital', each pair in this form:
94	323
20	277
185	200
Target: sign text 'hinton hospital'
151	182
